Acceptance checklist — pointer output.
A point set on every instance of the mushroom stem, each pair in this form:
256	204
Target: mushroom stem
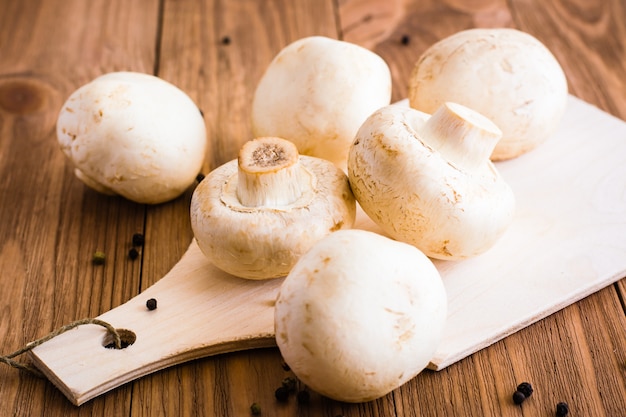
269	173
463	136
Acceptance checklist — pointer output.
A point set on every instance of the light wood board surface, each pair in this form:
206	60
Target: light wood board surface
568	238
567	241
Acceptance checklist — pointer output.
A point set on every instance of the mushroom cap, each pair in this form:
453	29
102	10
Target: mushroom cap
133	134
359	315
417	196
265	242
317	92
507	75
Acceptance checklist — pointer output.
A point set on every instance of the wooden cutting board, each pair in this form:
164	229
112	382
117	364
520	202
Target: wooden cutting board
567	241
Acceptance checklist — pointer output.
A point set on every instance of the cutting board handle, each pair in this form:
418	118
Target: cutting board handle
201	311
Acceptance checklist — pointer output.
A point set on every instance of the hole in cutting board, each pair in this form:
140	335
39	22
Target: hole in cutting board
127	337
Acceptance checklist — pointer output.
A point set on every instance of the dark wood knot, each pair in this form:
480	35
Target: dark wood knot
21	97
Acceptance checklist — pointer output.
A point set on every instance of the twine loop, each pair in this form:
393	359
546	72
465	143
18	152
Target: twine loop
8	359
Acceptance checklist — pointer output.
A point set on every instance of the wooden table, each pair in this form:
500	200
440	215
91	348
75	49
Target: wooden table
216	51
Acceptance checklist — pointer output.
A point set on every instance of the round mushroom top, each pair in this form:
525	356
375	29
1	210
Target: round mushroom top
133	134
359	315
316	93
505	74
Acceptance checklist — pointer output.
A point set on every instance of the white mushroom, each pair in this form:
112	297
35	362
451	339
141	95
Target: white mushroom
359	315
507	75
255	216
133	134
317	92
428	181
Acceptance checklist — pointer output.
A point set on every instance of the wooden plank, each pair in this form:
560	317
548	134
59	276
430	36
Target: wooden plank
403	29
592	30
51	224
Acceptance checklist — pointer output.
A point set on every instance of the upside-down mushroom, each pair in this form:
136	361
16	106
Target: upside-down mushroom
428	181
253	217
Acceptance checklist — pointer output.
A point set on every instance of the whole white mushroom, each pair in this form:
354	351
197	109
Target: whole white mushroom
317	92
359	315
505	74
133	134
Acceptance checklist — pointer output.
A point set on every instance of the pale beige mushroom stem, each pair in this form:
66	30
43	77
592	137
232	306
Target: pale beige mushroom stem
463	136
253	217
270	174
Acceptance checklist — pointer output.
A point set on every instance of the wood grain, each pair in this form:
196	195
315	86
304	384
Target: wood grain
48	48
200	311
51	224
584	29
420	23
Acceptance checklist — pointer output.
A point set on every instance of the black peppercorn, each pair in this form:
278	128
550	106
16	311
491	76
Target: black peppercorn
405	39
290	383
303	397
255	409
138	239
133	254
518	397
526	389
151	304
226	40
562	409
281	394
